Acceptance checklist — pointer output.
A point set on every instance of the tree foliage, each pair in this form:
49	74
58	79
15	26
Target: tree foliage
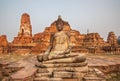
118	40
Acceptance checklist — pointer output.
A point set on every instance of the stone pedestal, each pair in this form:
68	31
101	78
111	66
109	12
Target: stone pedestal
73	66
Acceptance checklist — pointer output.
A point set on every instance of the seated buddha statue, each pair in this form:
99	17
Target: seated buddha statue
59	42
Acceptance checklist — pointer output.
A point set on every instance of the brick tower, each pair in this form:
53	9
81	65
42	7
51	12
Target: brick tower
25	31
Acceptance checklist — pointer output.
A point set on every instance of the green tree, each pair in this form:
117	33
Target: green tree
118	40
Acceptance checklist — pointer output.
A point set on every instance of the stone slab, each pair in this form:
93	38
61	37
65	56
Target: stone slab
105	63
74	69
23	74
65	74
27	73
48	79
51	65
71	69
42	70
55	79
93	79
43	74
41	79
70	79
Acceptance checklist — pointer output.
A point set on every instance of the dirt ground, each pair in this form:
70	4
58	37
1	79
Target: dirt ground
93	59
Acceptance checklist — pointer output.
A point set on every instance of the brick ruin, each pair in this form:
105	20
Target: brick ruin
25	42
112	46
25	31
112	39
3	44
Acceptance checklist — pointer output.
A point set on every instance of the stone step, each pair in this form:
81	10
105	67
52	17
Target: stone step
71	69
55	79
42	70
41	79
52	65
98	72
25	74
44	74
91	75
47	79
64	74
93	79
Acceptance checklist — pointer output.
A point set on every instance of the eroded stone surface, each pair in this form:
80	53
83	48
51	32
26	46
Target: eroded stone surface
20	68
105	63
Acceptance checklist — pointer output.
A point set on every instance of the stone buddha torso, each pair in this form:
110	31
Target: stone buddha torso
60	43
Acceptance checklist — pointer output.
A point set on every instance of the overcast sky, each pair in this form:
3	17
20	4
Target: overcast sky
100	16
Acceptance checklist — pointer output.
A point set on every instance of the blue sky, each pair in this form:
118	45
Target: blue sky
100	16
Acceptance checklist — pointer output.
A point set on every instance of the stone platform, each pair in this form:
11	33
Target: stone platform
60	67
26	67
18	69
105	63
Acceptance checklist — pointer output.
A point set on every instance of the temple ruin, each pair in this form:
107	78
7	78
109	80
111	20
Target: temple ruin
21	62
3	44
25	31
25	42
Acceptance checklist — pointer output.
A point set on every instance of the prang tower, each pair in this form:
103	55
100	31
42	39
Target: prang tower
25	31
25	26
